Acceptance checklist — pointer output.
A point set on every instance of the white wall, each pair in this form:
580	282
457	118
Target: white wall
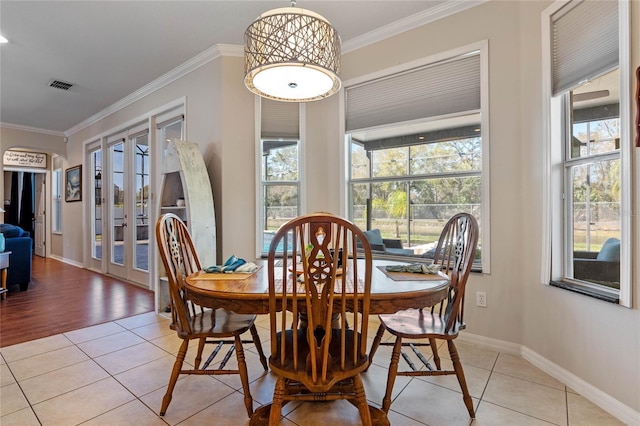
201	89
34	140
498	23
29	140
597	342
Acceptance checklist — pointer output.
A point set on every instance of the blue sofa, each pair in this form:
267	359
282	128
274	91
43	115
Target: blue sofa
20	244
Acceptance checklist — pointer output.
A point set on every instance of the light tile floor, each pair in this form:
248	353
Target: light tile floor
116	374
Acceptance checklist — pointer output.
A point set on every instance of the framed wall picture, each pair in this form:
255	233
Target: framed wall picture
73	184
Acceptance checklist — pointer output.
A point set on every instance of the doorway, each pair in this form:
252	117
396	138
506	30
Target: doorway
25	204
39	206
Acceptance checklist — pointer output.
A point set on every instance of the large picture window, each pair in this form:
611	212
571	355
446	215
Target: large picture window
408	186
420	157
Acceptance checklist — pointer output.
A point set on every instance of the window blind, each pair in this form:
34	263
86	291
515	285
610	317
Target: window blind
169	117
139	130
442	88
279	119
584	42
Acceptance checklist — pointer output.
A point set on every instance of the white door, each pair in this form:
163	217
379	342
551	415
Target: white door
128	208
39	213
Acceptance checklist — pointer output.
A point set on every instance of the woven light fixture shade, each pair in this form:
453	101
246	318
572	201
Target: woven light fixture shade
292	55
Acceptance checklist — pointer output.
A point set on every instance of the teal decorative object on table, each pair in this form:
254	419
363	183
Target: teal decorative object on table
233	264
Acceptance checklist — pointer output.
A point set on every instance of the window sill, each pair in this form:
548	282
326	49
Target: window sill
587	291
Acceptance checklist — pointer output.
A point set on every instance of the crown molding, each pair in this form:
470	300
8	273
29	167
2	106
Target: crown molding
231	50
31	129
173	75
443	10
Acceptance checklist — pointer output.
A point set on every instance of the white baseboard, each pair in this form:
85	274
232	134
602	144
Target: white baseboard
489	343
67	261
622	412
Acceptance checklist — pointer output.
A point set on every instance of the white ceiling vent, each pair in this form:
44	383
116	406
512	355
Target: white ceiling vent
59	84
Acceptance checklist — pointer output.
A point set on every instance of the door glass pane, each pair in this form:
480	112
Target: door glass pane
173	130
170	131
96	211
118	221
141	257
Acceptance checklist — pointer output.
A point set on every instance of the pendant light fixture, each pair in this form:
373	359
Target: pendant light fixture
292	55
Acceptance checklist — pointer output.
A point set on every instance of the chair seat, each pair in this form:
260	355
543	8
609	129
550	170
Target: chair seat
334	374
218	322
418	323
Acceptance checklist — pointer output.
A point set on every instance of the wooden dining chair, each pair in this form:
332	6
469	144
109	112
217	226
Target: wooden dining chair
455	252
314	275
217	327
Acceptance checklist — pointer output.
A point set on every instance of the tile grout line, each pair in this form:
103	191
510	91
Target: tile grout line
486	385
481	399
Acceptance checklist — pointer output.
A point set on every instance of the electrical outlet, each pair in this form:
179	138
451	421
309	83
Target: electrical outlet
481	299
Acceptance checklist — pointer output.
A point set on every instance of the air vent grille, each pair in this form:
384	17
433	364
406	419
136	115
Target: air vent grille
59	84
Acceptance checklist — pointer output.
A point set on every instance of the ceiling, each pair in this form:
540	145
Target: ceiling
111	49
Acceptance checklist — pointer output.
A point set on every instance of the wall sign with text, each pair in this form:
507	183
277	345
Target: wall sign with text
25	159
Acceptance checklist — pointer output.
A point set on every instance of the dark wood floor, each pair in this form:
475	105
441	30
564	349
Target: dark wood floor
62	298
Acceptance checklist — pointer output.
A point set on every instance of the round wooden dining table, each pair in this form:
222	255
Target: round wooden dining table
249	293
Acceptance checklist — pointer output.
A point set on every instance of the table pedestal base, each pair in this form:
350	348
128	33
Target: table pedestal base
260	416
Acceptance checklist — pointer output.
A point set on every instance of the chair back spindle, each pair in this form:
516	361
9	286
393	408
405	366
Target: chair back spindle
319	296
455	252
180	259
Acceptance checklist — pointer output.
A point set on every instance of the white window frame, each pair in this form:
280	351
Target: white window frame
553	264
259	252
483	48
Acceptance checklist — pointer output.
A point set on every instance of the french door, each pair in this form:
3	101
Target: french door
127	206
119	208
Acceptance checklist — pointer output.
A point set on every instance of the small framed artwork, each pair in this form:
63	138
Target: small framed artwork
73	184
